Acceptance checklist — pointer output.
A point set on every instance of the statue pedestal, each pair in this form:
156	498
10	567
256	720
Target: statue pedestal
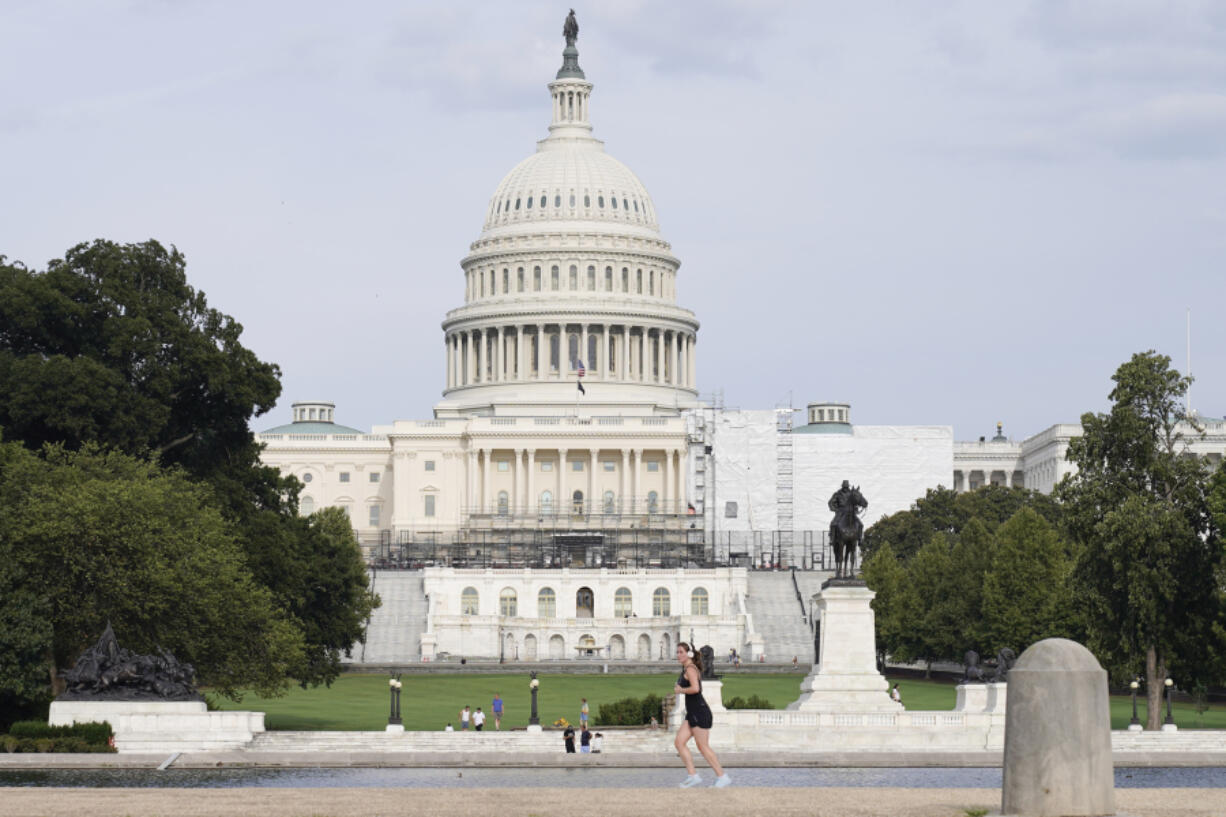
845	678
712	693
163	726
988	698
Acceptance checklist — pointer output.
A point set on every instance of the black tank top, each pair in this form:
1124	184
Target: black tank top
693	701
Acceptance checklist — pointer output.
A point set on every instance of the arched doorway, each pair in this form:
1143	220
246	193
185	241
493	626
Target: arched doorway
617	647
584	603
666	647
587	645
644	649
557	647
509	651
529	648
576	500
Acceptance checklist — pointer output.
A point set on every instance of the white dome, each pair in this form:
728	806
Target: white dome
571	180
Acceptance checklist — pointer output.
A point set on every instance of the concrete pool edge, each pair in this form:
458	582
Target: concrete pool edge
369	759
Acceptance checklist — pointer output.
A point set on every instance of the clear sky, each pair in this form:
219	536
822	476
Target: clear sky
942	212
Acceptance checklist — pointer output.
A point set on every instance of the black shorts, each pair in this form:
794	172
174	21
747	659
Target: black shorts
701	719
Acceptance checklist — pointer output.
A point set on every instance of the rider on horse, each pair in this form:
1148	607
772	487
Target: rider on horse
846	529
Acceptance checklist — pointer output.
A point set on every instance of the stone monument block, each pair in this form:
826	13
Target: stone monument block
1057	734
846	678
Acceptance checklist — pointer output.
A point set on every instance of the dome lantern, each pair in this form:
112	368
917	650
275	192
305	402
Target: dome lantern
570	90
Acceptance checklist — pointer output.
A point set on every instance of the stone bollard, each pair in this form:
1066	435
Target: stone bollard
1057	734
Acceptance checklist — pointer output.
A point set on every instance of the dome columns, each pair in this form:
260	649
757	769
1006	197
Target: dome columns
611	351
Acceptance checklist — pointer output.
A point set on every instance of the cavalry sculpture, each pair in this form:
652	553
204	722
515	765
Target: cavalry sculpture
846	529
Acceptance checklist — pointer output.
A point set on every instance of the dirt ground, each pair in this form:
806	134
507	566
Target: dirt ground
822	802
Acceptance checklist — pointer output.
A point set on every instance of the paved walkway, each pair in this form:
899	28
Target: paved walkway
828	802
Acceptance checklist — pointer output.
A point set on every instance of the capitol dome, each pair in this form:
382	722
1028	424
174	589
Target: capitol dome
571	180
569	283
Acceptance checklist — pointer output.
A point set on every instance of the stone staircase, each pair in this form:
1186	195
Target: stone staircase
777	615
394	633
508	742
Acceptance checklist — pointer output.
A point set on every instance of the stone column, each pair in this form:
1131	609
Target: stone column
401	510
517	480
694	361
674	360
482	351
557	502
540	351
583	345
593	454
531	500
520	374
485	479
470	493
500	359
607	369
666	493
636	500
625	361
623	481
659	356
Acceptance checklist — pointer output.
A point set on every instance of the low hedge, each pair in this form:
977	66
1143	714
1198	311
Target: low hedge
38	736
630	711
752	702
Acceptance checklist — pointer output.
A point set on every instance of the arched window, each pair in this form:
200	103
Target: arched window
554	278
572	350
508	602
542	200
699	602
587	200
608	279
593	344
506	280
517	204
520	277
504	501
625	279
547	603
623	603
553	352
574	277
546	501
306	506
529	202
557	200
625	205
610	502
576	500
468	601
584	603
600	202
572	199
653	502
591	278
651	282
536	279
661	603
614	200
638	287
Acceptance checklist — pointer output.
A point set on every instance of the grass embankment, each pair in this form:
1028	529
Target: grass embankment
360	702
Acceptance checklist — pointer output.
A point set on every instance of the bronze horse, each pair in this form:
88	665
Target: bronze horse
846	530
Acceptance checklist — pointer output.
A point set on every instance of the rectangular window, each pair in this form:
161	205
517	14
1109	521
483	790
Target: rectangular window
504	465
374	476
609	465
374	516
429	465
506	281
429	504
730	510
546	465
536	279
520	277
639	282
344	476
653	465
577	465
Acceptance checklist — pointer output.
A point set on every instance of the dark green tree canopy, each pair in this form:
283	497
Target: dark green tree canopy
112	345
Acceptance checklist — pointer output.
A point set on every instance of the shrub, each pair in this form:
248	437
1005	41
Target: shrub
630	711
752	702
37	736
9	743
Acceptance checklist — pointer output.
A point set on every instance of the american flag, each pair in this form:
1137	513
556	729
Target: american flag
582	371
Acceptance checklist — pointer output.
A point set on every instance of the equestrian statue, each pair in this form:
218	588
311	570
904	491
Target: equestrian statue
846	529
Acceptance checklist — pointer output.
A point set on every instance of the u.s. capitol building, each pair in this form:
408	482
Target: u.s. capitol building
531	519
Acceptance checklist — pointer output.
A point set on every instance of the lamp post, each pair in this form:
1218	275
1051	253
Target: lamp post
394	723
534	722
1168	725
1134	725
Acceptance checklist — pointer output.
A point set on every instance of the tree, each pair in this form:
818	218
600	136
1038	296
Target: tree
112	346
1149	569
91	537
929	614
1026	594
887	578
970	560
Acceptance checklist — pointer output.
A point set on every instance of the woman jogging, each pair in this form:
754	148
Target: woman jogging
697	723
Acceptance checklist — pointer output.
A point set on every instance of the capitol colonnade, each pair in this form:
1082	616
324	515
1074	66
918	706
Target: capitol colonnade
528	352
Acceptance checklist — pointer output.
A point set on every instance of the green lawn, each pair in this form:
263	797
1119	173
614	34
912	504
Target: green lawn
360	702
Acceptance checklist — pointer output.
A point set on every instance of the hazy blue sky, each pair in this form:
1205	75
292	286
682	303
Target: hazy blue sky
942	212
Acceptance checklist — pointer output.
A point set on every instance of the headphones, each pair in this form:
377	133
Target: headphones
689	653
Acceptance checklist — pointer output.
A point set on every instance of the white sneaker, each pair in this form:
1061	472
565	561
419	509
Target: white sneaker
691	781
721	781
